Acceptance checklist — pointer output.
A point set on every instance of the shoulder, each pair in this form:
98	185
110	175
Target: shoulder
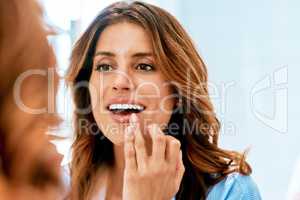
235	187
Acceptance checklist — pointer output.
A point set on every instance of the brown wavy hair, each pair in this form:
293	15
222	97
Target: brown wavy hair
205	163
29	164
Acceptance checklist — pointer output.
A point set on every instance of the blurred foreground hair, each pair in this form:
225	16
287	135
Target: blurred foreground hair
29	164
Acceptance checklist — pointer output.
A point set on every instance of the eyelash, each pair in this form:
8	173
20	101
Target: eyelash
147	65
98	67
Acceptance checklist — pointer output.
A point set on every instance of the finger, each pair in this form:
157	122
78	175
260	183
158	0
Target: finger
179	169
158	142
129	150
172	150
139	143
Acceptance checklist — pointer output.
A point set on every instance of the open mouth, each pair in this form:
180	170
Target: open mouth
121	112
125	108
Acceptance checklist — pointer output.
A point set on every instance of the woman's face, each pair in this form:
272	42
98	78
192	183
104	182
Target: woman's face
126	79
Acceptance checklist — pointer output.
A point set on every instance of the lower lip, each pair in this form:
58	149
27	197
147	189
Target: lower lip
121	118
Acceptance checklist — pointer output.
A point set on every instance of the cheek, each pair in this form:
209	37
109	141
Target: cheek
97	88
158	95
160	100
110	130
167	103
167	99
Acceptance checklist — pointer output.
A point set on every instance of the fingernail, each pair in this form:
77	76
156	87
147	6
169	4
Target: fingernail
128	131
133	118
150	127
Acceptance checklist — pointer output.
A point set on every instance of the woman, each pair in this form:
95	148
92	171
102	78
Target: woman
145	127
29	164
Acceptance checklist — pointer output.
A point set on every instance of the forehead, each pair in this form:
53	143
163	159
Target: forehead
124	37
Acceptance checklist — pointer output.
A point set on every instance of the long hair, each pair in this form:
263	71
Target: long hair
29	165
205	163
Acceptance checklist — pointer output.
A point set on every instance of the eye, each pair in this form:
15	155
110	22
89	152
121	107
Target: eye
145	67
103	67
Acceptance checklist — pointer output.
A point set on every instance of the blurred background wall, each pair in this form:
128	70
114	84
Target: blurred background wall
251	49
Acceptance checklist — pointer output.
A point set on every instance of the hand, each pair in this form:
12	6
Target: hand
151	177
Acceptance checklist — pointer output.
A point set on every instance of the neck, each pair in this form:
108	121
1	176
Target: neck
119	160
116	173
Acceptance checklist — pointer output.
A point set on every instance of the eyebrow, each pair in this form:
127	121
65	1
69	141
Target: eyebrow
136	55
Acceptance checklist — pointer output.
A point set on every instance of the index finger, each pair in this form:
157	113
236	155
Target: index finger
129	150
139	143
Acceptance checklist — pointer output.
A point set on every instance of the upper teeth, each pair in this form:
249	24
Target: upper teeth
126	106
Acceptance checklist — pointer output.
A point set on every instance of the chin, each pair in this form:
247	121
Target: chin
116	138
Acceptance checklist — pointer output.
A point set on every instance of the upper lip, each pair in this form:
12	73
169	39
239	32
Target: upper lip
123	100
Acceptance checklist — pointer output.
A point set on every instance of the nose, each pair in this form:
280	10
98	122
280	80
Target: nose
122	82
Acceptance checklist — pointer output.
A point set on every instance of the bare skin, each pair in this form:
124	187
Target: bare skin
148	165
156	176
144	176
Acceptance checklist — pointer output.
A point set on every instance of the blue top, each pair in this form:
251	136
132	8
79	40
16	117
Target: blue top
235	187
